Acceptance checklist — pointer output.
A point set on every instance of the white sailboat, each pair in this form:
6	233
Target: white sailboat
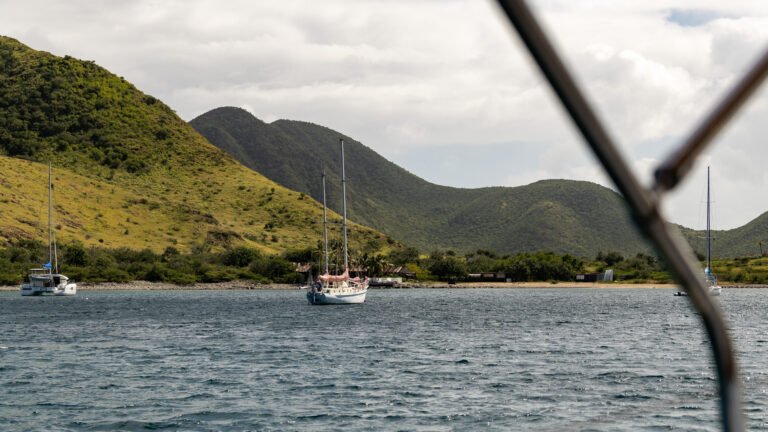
337	289
48	280
710	281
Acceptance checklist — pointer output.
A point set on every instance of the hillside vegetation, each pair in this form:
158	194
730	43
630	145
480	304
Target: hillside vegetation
574	217
749	240
128	172
560	216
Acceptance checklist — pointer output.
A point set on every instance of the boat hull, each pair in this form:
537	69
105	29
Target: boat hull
38	287
321	298
29	290
713	291
65	290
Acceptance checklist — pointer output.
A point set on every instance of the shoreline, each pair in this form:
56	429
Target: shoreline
250	285
560	285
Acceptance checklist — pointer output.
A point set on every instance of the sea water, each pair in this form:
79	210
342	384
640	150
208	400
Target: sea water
432	360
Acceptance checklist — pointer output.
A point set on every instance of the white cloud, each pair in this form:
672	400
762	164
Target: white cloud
445	80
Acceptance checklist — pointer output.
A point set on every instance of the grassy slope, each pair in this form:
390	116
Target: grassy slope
125	162
561	216
737	242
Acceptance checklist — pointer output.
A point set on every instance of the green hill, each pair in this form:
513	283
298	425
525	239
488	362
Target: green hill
128	171
743	241
561	216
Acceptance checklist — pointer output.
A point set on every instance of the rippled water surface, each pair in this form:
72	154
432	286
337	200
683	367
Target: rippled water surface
497	359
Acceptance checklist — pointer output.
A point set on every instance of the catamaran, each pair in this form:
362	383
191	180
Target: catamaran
337	289
710	280
48	280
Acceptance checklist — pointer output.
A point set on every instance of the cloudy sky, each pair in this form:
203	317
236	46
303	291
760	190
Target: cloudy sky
443	87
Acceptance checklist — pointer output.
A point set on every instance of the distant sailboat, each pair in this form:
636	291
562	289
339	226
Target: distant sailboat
337	289
48	280
709	278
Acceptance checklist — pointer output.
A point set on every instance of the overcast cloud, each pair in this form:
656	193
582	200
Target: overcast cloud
444	88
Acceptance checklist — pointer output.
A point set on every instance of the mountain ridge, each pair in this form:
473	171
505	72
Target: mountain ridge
582	218
563	216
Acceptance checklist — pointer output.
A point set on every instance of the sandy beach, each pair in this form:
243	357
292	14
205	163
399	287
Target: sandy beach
542	285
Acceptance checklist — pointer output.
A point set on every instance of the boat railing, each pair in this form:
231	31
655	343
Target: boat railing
644	203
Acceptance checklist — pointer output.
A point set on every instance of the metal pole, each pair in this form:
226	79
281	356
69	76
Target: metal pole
642	203
677	165
344	206
50	221
325	228
709	246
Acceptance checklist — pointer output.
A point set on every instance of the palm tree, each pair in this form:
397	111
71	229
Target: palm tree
373	264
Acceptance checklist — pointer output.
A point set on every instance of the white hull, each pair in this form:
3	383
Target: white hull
41	283
62	290
714	290
338	292
65	290
29	290
330	298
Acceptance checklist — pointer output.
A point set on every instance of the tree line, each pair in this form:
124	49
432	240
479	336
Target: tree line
99	264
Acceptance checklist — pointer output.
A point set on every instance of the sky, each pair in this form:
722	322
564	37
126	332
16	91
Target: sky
444	88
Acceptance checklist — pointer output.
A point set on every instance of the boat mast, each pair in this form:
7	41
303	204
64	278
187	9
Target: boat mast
325	228
709	268
344	206
50	221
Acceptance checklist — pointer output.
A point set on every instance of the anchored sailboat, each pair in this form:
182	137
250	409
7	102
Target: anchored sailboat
709	278
48	280
337	289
